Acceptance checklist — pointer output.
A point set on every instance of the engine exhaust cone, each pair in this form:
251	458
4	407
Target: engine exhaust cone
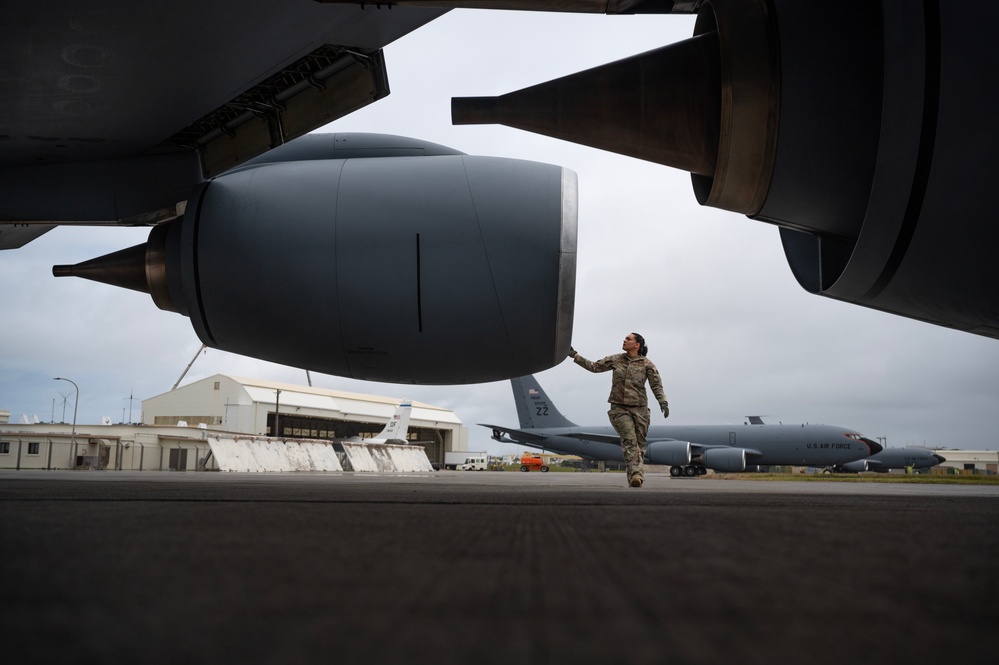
139	268
125	268
662	106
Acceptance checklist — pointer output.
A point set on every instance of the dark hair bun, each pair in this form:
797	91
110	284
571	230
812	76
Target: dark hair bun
642	349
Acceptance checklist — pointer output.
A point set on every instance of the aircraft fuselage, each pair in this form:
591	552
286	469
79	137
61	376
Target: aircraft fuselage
800	445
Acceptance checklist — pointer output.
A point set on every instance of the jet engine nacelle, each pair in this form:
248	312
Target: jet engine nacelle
475	262
725	459
866	135
858	466
673	453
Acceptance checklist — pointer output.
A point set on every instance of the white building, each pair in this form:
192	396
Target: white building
249	406
970	461
175	426
49	446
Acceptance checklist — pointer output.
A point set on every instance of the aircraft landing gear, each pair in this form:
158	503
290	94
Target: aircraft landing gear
689	471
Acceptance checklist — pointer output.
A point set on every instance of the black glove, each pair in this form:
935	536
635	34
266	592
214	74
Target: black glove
664	405
572	352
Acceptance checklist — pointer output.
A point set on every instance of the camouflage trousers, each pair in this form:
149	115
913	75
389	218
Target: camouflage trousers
631	424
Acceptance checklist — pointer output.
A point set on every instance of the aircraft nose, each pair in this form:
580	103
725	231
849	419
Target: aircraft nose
940	459
873	445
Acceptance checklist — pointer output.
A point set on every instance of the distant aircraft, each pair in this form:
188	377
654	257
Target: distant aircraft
689	450
396	429
858	130
891	458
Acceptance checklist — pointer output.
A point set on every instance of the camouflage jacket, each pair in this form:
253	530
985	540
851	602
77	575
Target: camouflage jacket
630	375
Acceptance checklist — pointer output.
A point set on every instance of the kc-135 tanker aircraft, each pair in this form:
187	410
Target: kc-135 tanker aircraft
892	458
689	450
863	130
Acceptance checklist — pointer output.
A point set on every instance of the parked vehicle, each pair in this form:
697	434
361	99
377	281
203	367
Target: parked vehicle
532	463
464	460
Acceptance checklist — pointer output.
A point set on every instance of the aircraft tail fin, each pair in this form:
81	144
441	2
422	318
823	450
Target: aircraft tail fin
534	409
398	426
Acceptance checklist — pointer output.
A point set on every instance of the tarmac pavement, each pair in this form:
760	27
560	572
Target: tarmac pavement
461	567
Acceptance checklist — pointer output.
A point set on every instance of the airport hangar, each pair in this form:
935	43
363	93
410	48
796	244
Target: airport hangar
175	426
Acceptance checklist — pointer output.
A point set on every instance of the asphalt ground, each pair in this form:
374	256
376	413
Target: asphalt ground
453	567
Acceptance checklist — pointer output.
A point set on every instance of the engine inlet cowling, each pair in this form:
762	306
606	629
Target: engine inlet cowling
441	269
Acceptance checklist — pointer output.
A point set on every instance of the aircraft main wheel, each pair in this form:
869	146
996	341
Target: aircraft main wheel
675	471
523	468
544	469
690	471
701	471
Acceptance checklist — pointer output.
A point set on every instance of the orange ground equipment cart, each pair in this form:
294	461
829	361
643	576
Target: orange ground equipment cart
532	463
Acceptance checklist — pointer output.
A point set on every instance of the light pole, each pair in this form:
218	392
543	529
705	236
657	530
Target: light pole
76	403
130	399
277	413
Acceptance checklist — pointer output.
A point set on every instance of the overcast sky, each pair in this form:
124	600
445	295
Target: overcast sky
729	328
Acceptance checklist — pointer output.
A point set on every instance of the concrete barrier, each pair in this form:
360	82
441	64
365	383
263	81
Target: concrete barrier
386	457
271	454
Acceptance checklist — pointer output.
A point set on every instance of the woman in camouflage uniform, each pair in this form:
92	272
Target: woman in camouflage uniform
629	412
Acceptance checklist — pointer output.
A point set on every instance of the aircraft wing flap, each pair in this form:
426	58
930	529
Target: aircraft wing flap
344	81
13	236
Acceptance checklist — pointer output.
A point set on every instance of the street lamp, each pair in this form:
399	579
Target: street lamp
277	413
76	403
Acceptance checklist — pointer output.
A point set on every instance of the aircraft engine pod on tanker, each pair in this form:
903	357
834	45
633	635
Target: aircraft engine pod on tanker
858	466
397	269
674	453
732	460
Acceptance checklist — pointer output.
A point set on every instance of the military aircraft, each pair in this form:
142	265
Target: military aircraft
396	428
863	133
689	450
891	458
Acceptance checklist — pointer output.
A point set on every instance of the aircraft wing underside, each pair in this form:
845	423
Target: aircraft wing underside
517	434
532	440
581	6
616	440
115	111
